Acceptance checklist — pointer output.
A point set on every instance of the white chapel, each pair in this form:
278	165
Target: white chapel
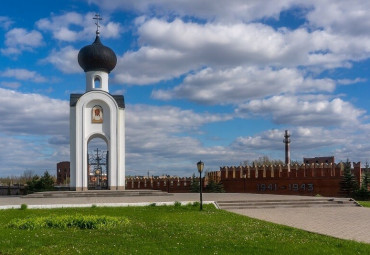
97	114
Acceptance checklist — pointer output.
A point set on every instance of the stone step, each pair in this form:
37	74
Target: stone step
293	200
95	193
282	206
286	203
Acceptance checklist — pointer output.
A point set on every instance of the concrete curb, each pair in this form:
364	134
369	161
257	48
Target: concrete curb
53	206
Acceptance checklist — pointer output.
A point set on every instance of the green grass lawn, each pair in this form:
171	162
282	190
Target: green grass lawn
166	230
364	203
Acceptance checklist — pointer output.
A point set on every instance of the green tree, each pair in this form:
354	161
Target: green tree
366	178
43	183
348	184
214	187
47	181
32	185
195	187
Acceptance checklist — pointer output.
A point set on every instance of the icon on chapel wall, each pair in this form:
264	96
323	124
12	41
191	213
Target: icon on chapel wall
97	114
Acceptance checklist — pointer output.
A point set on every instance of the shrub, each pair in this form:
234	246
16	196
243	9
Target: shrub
361	194
214	187
24	206
69	221
43	183
196	204
177	204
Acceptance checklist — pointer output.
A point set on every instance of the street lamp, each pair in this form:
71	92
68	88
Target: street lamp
200	166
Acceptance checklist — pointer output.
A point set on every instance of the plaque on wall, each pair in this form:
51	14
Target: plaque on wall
97	114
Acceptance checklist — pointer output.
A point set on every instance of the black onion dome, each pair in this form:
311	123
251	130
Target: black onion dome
97	57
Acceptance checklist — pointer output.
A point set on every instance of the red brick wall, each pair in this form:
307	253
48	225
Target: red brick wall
173	185
306	179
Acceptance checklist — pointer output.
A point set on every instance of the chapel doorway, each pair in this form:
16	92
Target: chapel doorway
97	164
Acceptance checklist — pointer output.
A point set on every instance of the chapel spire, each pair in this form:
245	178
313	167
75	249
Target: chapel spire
97	61
97	18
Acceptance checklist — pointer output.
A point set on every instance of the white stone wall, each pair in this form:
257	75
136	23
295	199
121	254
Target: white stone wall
91	76
82	130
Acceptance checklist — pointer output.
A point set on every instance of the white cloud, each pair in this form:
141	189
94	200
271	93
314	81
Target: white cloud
356	146
268	140
111	30
12	85
22	153
350	17
225	10
28	122
23	75
316	137
64	60
32	114
169	118
170	49
343	143
241	84
73	26
304	111
305	142
5	22
175	48
70	18
149	65
159	138
351	81
59	140
19	39
341	16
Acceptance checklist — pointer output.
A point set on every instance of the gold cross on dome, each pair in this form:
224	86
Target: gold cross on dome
97	18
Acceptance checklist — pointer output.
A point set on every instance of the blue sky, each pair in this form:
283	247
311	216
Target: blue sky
218	81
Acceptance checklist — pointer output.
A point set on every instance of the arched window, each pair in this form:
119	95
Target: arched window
97	82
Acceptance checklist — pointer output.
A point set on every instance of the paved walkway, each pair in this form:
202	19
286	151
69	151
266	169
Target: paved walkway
351	223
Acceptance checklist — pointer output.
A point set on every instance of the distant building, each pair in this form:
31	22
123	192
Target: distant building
319	160
63	172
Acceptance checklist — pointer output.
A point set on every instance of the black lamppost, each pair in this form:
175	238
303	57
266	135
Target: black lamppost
200	166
